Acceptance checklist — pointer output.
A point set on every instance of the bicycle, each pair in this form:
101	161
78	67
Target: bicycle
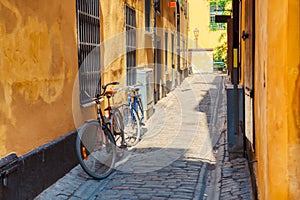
115	120
133	115
95	143
136	101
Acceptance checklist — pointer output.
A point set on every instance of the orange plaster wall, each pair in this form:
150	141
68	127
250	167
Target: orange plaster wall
293	101
277	99
38	61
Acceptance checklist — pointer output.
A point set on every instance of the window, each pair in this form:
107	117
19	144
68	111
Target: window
213	7
166	51
130	45
157	5
88	34
147	14
212	18
216	9
172	46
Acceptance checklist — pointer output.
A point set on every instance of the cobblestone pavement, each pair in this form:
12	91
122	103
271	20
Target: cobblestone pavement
182	154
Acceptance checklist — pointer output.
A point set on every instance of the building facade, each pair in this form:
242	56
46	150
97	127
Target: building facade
203	44
270	68
53	56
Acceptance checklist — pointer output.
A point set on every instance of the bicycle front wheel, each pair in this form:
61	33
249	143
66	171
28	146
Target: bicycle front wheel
96	150
140	109
132	130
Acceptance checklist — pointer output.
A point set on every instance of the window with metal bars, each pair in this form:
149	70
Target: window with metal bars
166	51
147	14
173	50
88	35
130	25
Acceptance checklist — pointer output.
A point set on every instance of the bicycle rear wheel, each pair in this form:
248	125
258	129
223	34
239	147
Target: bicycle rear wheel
132	130
117	128
96	150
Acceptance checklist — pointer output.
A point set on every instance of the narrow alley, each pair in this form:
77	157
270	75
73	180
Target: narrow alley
217	83
182	154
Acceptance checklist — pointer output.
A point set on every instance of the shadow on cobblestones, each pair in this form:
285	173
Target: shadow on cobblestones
210	105
179	180
179	156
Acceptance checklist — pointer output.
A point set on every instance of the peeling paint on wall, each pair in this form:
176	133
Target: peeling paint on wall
33	63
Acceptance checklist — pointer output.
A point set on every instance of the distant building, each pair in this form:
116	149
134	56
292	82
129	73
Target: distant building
202	45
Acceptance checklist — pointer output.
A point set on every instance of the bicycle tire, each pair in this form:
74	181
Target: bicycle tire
140	109
117	128
132	129
96	150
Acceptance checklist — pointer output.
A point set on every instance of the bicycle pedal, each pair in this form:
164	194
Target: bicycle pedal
118	133
123	146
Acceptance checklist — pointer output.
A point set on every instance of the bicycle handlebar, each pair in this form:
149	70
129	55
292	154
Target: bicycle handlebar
92	100
104	87
111	83
129	87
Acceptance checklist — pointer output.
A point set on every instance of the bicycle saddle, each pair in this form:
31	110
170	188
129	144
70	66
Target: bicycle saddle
109	93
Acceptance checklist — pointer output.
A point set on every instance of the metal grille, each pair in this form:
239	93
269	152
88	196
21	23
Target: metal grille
88	30
173	51
130	25
147	14
166	51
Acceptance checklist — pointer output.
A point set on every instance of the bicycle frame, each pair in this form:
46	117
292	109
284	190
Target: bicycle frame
100	116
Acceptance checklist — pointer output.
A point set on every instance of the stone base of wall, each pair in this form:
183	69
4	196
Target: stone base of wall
26	176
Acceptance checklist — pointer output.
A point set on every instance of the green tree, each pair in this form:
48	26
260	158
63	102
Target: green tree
220	54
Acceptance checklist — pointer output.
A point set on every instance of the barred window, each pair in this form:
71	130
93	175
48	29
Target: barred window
166	50
147	14
88	34
172	50
130	25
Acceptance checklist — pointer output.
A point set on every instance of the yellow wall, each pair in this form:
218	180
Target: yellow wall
277	100
293	101
113	40
38	61
184	20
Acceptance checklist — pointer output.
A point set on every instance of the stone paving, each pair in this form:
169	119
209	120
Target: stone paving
182	154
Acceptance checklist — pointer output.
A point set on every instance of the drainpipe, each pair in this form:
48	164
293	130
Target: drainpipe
155	51
235	68
178	43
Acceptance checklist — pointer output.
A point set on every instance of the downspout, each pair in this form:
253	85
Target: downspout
155	51
235	68
178	41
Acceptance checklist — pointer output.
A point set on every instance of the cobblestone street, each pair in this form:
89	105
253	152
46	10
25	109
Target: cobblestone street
182	154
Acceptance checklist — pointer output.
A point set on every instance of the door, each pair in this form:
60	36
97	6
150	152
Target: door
158	72
248	39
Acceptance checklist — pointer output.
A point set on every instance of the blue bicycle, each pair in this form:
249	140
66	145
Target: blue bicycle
133	116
